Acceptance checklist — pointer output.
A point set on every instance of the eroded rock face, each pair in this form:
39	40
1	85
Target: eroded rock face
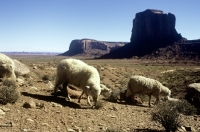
154	26
193	94
20	68
92	47
151	30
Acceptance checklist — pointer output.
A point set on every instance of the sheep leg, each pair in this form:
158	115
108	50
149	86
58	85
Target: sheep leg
149	100
96	98
133	98
65	91
56	89
79	99
88	100
157	100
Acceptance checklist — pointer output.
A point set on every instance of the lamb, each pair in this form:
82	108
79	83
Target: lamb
79	74
143	85
7	67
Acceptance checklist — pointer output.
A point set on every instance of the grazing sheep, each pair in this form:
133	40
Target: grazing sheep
7	67
143	85
79	74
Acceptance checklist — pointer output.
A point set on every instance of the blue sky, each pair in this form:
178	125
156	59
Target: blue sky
50	25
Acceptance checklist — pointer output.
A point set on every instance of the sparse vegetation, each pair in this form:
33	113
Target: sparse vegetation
109	115
8	92
114	96
46	77
167	115
99	105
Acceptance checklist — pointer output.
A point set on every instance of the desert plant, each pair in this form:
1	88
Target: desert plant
8	92
167	116
46	77
114	96
41	67
99	105
27	75
184	107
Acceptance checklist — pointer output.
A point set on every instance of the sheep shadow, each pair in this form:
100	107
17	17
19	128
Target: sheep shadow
54	99
125	103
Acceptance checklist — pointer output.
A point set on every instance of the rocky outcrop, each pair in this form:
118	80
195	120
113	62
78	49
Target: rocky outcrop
154	26
92	47
151	30
193	95
20	68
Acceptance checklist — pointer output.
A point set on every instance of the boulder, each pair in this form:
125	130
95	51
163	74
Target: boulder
7	67
193	94
20	68
91	47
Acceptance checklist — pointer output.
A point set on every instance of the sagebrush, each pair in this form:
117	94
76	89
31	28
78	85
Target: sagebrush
8	92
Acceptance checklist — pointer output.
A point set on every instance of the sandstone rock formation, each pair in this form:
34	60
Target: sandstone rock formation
20	68
151	30
7	67
92	47
154	26
193	94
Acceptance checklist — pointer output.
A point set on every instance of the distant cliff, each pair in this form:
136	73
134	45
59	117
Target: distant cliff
90	47
151	30
154	26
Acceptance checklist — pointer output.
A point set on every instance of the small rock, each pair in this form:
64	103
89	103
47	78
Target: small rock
56	105
30	120
40	105
20	81
50	85
5	109
112	116
45	124
29	104
190	129
33	88
70	130
2	112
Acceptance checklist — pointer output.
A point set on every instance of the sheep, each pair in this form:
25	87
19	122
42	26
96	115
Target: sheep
143	85
7	67
79	74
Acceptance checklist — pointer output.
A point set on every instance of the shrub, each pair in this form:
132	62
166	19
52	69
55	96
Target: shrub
114	96
167	115
99	105
46	77
184	107
8	92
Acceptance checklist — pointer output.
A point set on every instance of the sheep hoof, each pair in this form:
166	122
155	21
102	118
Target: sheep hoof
54	94
67	99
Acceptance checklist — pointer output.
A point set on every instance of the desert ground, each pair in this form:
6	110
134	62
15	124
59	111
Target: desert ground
55	114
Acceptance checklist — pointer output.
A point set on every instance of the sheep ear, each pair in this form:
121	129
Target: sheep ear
87	87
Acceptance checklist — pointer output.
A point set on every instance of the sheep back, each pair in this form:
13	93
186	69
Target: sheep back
7	67
143	85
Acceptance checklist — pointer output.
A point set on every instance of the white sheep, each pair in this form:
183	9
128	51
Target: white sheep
143	85
7	67
79	74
